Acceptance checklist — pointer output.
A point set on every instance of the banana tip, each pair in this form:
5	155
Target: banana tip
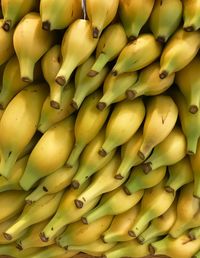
19	246
6	25
46	25
193	109
131	233
161	39
141	155
191	236
190	152
75	184
84	220
7	236
54	104
28	202
140	240
61	80
95	32
103	239
151	249
146	167
163	75
189	28
130	94
102	152
74	105
169	189
127	192
92	73
119	177
78	203
26	79
43	237
114	72
101	106
132	38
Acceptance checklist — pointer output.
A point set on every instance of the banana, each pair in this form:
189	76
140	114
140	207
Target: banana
31	43
73	50
57	15
101	13
99	185
149	82
34	213
114	88
11	250
161	116
194	233
122	124
53	183
91	161
14	10
107	49
165	18
85	85
134	15
117	232
138	180
191	17
181	247
76	232
168	152
66	213
159	226
179	174
188	82
156	201
12	83
188	215
109	204
20	120
197	255
6	42
179	52
50	153
89	122
137	54
195	162
129	157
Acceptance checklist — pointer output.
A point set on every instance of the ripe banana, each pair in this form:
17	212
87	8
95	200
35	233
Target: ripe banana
124	121
11	250
138	54
195	162
191	10
31	43
100	14
107	49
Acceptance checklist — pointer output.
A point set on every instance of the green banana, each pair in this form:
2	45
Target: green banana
197	255
191	16
195	162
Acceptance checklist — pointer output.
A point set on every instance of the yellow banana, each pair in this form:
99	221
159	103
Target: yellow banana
75	51
168	152
19	123
89	122
31	43
85	85
100	14
191	10
188	82
149	82
138	54
179	52
58	15
107	49
195	162
91	161
114	88
134	15
50	153
11	250
124	121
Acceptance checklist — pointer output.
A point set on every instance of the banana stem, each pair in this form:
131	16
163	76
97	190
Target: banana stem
95	214
194	103
140	225
83	173
124	168
28	179
79	96
192	141
158	247
16	229
26	69
100	62
38	193
55	95
78	148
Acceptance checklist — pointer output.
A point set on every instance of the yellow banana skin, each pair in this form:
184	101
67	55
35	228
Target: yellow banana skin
34	213
14	10
179	52
50	153
195	163
134	15
58	15
191	16
149	82
117	232
107	49
75	52
100	14
85	85
11	250
168	152
122	124
31	43
76	232
165	18
22	113
161	116
137	54
89	122
189	84
6	42
187	212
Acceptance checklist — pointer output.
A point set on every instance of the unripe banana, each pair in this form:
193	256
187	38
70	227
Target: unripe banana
138	54
58	15
195	162
107	49
124	121
179	52
134	15
11	250
31	43
75	51
19	123
100	14
168	152
197	255
194	233
191	17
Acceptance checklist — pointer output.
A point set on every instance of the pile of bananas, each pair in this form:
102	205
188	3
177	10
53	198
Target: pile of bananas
100	128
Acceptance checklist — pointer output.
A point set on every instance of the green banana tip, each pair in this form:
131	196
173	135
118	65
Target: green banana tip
28	201
102	152
190	152
152	249
126	190
6	25
189	28
101	106
78	203
119	176
146	167
163	74
95	32
92	73
114	72
74	105
26	79
169	189
141	155
75	184
7	236
161	39
140	239
193	109
43	237
54	104
131	94
61	80
19	246
84	220
46	25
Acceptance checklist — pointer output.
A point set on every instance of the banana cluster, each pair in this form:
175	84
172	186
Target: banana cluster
100	128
